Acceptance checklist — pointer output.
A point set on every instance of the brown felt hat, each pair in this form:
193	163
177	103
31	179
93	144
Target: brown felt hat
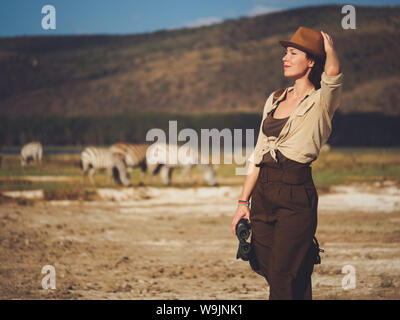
306	39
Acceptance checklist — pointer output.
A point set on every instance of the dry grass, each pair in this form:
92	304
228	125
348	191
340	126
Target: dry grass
339	166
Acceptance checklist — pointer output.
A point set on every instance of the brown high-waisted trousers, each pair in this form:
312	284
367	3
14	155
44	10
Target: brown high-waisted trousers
283	220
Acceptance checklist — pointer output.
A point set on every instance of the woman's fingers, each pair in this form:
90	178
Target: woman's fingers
240	213
234	223
326	37
328	42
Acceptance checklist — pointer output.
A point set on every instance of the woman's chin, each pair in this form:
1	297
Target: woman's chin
287	74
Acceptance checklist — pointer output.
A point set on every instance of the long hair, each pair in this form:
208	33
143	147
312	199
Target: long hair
315	74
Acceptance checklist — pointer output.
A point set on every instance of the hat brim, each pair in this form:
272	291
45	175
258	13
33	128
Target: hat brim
286	43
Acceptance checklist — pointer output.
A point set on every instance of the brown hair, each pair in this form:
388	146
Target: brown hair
315	74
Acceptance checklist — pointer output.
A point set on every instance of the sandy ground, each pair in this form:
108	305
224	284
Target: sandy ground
174	243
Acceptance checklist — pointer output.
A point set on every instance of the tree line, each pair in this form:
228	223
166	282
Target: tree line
356	129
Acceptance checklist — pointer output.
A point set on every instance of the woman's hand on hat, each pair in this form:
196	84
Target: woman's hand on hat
328	42
332	65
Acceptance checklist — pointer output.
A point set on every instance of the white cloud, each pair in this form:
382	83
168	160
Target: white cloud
258	10
203	22
230	13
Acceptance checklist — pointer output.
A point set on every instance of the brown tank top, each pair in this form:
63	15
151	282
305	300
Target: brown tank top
272	127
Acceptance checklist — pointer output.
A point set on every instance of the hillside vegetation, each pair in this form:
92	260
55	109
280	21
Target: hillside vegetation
229	67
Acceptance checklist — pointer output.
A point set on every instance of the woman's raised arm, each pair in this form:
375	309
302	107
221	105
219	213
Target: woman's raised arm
331	78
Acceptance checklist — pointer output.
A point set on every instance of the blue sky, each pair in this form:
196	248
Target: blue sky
23	17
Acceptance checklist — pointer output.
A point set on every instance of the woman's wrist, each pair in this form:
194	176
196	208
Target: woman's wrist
244	197
243	202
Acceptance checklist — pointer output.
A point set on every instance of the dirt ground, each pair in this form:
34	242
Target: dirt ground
173	243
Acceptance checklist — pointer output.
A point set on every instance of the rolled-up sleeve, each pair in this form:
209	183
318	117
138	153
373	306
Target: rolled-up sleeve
331	92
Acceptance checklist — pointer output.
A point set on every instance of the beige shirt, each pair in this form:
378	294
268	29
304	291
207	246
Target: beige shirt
309	126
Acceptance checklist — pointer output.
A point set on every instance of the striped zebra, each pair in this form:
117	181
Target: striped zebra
162	154
134	156
32	151
93	158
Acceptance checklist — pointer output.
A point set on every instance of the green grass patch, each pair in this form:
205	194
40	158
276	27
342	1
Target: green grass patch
339	166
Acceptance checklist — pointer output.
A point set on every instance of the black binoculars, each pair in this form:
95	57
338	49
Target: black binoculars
243	233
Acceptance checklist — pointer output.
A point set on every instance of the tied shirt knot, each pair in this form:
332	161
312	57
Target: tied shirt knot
272	146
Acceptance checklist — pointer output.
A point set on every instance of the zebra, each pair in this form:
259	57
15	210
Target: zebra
32	151
134	155
159	155
93	158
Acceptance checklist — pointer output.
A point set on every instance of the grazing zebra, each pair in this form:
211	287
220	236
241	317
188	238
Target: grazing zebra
134	155
93	158
158	155
32	151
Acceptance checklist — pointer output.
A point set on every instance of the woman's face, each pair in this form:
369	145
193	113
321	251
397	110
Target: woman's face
295	63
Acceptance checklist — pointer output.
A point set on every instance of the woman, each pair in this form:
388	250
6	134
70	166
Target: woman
296	123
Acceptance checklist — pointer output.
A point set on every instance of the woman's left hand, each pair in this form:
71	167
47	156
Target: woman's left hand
328	42
332	65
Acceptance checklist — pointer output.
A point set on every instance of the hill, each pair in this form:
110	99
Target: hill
229	67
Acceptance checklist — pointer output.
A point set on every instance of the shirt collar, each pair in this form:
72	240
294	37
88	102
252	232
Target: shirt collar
288	89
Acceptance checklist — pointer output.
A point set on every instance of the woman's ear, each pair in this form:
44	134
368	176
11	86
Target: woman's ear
311	63
311	60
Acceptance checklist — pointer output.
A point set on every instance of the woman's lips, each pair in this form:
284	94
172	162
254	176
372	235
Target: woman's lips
286	66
